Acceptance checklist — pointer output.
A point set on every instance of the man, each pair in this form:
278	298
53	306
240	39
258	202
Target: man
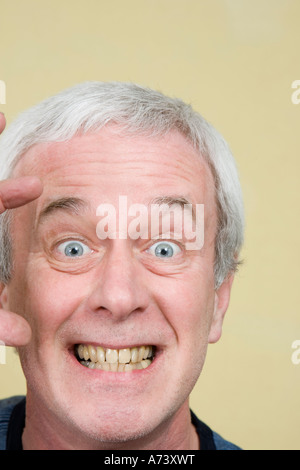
112	323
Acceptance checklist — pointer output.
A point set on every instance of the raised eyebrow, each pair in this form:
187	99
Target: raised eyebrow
171	200
73	205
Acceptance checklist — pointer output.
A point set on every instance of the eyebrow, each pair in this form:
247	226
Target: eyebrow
174	200
73	205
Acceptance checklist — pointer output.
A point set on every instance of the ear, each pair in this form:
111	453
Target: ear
222	297
3	296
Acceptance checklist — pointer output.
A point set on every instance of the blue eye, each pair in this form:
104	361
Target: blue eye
73	249
164	249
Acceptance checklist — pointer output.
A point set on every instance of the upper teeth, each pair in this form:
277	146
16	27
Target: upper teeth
140	356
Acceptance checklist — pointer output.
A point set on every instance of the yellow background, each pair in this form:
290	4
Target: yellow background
235	61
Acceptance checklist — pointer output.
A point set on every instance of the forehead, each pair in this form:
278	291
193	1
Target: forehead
111	163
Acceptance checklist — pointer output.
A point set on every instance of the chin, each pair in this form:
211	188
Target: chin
107	427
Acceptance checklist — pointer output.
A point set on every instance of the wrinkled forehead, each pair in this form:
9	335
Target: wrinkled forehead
91	170
114	161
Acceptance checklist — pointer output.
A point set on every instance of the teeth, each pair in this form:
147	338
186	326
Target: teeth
92	353
145	363
105	366
141	353
86	354
124	356
80	349
100	355
116	367
134	355
114	360
112	356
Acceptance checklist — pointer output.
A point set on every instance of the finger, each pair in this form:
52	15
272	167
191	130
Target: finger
2	122
14	330
19	191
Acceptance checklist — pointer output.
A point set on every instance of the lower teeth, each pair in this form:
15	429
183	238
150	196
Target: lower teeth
116	367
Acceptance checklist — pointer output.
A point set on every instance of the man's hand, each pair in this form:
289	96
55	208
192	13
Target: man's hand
14	330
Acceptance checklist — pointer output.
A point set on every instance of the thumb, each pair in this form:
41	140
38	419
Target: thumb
14	329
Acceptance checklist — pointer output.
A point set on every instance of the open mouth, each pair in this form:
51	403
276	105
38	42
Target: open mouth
114	360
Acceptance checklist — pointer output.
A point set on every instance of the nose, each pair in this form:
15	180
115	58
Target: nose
118	288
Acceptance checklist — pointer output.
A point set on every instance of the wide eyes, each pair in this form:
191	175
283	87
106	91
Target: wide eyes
164	249
77	249
73	249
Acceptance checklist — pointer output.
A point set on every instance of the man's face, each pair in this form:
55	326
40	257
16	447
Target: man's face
76	289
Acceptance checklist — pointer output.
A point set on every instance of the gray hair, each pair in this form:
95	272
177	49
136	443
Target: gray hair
88	107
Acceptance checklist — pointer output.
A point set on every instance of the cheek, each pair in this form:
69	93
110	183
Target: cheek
188	307
189	313
47	299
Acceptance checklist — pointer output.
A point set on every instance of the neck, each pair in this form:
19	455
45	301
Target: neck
44	431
